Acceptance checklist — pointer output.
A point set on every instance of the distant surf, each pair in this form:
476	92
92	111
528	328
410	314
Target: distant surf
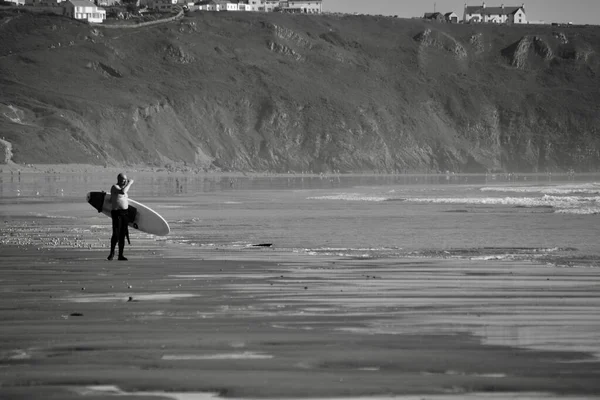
567	199
583	188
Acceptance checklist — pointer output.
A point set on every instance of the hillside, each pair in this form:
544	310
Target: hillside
276	92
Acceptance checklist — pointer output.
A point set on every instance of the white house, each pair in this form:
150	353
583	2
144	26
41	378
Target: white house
255	5
305	7
451	17
84	10
498	15
216	5
231	7
17	2
272	5
261	5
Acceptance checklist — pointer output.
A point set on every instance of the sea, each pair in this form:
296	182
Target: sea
549	218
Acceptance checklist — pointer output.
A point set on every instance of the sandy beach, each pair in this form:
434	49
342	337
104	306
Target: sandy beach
188	322
252	327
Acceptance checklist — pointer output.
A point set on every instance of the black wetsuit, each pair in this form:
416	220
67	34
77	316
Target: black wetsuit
120	219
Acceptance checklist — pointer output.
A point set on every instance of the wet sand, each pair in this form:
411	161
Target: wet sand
260	324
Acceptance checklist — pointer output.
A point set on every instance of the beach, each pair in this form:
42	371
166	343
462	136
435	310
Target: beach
302	287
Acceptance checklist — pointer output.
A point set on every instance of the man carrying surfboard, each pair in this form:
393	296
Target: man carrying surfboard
119	214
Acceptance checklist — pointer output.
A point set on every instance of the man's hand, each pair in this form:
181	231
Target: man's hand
127	184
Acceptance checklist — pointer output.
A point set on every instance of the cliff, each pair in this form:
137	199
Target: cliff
276	92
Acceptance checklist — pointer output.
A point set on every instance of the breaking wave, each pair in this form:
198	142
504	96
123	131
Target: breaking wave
544	201
584	188
559	202
350	197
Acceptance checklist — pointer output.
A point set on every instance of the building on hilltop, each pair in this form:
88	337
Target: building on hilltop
497	15
216	5
304	7
84	10
261	5
451	17
434	16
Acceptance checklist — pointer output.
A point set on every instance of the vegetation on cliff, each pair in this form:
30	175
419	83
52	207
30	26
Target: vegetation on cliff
277	92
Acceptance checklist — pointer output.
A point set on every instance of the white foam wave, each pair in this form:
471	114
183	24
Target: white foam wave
350	197
580	211
584	188
40	215
557	202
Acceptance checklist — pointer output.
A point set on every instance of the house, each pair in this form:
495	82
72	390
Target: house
17	2
84	10
451	17
272	5
263	5
229	6
216	5
434	16
304	7
497	15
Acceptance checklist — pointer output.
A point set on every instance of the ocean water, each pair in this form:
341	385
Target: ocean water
551	218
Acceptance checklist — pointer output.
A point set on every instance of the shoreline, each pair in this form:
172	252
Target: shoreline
13	168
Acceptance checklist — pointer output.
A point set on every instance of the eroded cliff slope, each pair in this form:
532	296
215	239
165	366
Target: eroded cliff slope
275	92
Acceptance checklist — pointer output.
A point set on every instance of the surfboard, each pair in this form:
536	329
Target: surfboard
141	217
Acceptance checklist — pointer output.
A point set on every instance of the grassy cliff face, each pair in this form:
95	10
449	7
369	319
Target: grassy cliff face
275	92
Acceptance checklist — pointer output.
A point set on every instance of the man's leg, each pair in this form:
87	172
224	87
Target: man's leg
115	234
123	221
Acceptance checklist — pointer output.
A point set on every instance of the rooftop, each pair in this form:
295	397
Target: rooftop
492	10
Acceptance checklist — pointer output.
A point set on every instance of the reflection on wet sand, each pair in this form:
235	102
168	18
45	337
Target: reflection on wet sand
512	304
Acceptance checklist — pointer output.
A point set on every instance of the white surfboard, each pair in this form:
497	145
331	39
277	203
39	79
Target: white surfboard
145	219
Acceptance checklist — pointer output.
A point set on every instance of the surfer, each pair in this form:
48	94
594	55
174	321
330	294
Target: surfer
119	214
